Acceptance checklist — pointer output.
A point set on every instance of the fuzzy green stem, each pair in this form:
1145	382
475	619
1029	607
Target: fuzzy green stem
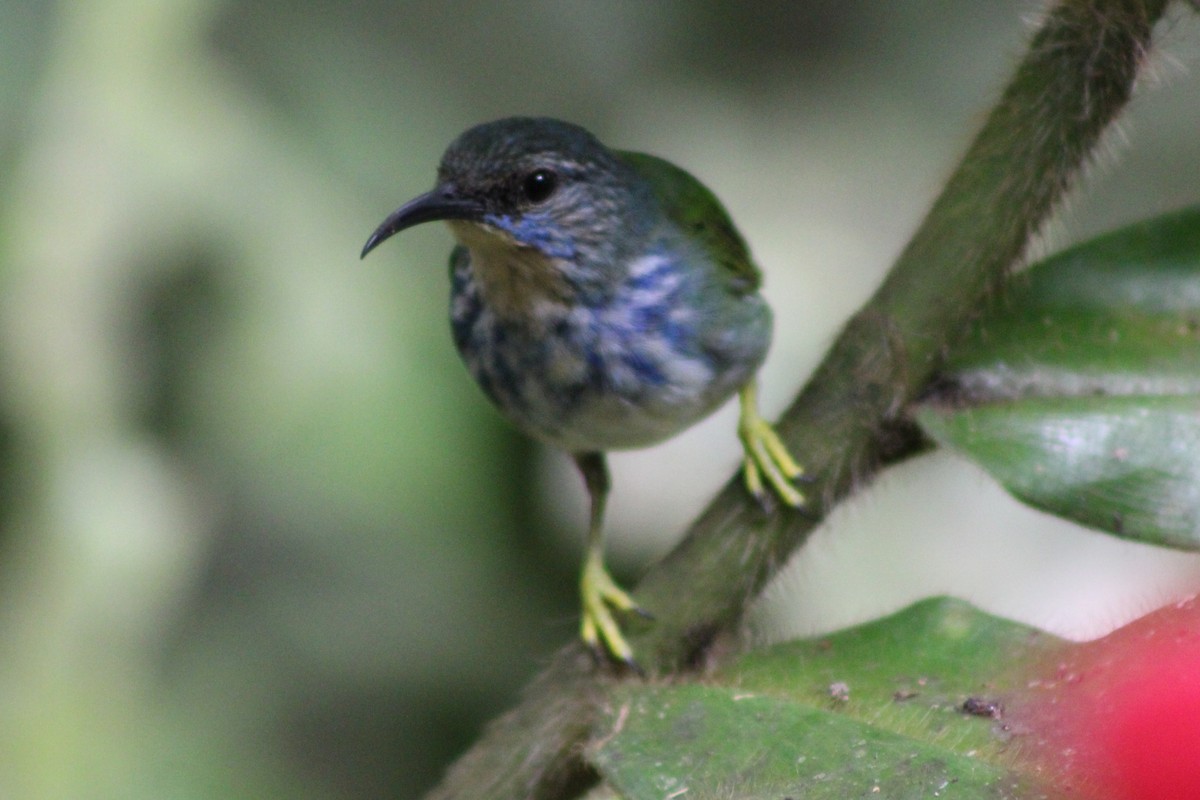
1074	81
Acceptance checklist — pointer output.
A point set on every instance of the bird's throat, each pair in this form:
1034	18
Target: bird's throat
514	279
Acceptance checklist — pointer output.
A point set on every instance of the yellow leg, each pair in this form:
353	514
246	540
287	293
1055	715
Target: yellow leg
766	455
599	591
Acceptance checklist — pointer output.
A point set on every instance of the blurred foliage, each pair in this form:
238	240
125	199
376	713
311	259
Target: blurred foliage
259	535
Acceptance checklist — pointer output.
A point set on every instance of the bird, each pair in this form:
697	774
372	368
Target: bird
603	300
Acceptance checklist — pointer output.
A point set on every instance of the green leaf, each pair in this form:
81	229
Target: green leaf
1127	465
1079	389
873	711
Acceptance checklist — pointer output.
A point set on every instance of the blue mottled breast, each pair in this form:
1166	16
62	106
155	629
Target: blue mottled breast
661	347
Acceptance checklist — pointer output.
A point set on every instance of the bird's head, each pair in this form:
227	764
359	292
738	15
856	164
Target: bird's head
532	184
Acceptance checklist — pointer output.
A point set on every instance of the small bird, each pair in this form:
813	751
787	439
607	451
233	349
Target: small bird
603	300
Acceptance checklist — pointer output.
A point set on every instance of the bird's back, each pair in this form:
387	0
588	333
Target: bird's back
699	214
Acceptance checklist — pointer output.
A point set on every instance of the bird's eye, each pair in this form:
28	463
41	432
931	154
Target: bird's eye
539	185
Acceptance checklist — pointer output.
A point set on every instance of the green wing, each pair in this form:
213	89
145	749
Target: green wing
690	205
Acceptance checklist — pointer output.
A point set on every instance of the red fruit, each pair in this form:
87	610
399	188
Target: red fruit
1119	718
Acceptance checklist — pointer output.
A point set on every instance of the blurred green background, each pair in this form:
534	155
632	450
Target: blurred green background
260	536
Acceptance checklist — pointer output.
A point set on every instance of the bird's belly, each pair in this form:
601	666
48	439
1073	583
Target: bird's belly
622	406
614	401
588	380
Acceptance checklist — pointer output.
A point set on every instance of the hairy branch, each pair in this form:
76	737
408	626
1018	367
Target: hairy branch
1073	82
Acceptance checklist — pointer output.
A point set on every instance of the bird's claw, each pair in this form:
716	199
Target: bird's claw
599	629
766	456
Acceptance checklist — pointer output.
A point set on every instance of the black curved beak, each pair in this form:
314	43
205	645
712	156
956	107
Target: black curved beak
441	203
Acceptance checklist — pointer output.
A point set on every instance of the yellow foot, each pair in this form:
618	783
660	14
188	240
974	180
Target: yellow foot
600	596
766	455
